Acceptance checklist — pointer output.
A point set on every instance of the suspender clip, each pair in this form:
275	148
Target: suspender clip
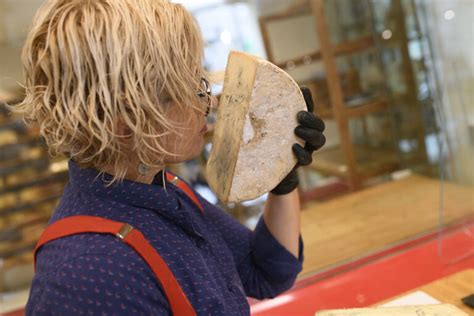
124	231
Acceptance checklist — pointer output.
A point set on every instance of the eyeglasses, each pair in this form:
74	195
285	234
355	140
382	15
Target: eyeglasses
206	93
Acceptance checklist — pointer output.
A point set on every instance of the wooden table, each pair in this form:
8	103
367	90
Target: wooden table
370	220
449	290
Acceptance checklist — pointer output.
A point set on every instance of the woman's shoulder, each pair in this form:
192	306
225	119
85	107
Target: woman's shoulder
76	250
86	270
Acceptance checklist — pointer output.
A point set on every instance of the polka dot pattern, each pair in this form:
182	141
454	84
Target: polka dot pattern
217	261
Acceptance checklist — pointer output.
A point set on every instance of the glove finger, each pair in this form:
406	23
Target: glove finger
304	157
288	184
308	98
311	136
310	120
311	148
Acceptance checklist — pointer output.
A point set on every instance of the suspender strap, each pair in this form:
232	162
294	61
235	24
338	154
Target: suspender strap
185	188
91	224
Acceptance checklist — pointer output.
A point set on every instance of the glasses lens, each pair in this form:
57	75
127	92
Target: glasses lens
206	88
205	92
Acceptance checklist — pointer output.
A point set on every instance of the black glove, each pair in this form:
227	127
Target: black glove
310	129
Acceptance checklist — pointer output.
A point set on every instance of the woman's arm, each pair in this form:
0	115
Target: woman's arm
282	217
265	267
269	258
281	212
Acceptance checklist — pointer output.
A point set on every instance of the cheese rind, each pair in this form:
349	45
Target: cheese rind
252	142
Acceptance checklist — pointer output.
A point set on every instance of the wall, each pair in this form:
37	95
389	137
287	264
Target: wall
15	18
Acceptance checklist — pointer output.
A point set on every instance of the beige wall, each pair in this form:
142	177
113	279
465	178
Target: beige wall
15	18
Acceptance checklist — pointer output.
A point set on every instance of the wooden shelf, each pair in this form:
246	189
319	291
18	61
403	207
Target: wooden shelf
29	205
28	237
345	48
14	151
38	164
370	161
43	180
17	230
375	105
349	161
15	125
350	47
324	112
372	106
300	60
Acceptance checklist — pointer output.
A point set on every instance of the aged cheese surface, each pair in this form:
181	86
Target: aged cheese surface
251	149
424	310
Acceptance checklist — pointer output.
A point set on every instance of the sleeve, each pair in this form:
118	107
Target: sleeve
96	285
265	267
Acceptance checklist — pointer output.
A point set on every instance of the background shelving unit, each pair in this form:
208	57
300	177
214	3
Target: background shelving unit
30	186
344	100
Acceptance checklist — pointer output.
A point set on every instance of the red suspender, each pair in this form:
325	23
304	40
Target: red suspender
91	224
184	187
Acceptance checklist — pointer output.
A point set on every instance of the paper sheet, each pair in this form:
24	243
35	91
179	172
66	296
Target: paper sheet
416	298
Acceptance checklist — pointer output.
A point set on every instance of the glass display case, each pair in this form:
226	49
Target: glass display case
443	25
397	167
369	68
375	86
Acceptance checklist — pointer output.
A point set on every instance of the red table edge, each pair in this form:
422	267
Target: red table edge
360	282
370	261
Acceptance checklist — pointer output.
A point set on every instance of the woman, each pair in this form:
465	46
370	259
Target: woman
118	87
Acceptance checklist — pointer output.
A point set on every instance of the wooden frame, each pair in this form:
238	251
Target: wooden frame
339	111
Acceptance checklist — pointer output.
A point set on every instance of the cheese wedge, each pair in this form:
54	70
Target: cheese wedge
251	147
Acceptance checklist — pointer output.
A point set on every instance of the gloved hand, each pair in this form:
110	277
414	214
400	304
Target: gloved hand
310	129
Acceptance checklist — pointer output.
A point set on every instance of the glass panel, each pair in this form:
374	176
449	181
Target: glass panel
394	87
451	76
348	20
361	75
374	143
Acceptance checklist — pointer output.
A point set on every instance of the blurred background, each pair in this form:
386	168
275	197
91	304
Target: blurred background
393	80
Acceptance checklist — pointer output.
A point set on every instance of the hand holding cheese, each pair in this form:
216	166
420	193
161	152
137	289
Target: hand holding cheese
252	146
310	129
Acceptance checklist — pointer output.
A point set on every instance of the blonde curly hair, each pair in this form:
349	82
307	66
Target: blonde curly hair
91	63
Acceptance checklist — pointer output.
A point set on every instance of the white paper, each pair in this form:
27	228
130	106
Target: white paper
416	298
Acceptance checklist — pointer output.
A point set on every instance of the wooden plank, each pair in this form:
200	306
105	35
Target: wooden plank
300	60
372	106
38	164
408	73
373	219
350	47
330	161
266	39
335	91
27	242
370	162
45	179
30	205
324	112
13	151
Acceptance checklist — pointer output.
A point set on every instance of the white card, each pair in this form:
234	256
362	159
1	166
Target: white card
416	298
